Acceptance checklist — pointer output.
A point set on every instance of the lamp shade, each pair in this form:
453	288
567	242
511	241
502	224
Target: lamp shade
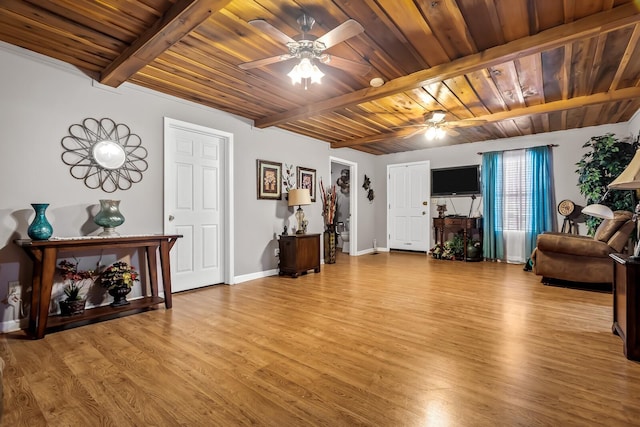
629	179
598	210
299	197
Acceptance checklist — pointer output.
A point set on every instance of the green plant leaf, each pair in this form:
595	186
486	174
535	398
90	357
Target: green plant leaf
607	159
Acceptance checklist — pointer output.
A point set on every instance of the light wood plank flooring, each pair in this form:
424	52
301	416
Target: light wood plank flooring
381	340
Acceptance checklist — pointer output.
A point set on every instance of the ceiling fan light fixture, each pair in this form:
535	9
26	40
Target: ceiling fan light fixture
431	133
316	75
305	69
295	76
434	132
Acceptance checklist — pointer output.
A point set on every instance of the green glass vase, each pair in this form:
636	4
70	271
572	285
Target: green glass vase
40	228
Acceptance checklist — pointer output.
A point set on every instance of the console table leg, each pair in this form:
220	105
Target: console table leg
35	296
165	247
153	269
46	284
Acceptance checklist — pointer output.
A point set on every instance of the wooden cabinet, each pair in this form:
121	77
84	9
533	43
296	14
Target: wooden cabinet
299	253
626	303
44	254
455	224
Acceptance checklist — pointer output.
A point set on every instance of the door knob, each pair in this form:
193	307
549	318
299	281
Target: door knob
171	217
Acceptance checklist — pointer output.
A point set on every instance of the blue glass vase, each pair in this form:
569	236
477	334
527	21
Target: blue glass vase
109	217
40	228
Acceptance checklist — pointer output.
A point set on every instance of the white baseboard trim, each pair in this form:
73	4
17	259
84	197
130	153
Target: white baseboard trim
14	325
274	272
371	251
253	276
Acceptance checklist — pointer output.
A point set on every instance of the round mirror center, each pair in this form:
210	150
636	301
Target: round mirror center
109	154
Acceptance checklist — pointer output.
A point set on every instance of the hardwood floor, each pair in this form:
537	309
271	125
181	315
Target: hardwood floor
383	340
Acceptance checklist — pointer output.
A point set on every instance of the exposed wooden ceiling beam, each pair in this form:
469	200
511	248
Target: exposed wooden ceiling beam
182	18
550	107
590	26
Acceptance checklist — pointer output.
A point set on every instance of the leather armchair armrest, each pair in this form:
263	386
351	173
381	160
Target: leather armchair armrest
573	245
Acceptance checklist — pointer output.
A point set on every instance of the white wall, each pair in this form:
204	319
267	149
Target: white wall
565	157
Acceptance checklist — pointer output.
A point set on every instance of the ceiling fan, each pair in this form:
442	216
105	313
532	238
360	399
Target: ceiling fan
309	49
435	126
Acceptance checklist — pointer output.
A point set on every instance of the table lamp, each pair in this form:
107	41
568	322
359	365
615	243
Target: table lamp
629	179
300	197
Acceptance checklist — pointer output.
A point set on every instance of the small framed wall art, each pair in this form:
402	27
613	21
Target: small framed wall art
307	179
269	180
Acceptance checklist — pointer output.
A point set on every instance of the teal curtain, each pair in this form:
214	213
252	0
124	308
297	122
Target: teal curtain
492	241
540	204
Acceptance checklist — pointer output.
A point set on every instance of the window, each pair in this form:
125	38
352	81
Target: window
515	217
517	194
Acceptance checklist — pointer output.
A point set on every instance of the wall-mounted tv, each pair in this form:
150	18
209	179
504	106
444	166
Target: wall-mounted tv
455	181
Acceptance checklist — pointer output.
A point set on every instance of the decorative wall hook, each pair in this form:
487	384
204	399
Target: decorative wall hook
367	187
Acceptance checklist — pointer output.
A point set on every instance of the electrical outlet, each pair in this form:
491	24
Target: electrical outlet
276	252
13	288
13	294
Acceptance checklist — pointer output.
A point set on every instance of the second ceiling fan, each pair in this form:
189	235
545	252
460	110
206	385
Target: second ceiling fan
309	49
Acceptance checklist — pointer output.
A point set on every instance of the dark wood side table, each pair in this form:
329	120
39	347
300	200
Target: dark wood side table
626	304
44	254
299	253
456	224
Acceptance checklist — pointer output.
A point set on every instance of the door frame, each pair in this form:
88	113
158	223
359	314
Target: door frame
228	212
353	201
388	231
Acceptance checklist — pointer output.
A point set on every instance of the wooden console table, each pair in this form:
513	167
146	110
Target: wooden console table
626	304
456	223
299	253
44	254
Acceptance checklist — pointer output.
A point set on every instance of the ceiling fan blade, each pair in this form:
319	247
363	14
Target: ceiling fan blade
269	29
265	61
414	133
417	125
341	33
467	123
346	64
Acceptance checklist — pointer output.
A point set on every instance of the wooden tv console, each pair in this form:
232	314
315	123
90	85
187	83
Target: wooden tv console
455	224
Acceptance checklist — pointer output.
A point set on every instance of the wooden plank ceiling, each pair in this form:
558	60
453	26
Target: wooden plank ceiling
497	68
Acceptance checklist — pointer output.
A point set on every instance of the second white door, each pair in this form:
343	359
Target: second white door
408	193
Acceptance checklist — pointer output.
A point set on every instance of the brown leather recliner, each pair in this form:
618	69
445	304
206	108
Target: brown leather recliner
582	258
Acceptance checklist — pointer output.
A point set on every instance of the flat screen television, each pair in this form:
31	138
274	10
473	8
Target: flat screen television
456	181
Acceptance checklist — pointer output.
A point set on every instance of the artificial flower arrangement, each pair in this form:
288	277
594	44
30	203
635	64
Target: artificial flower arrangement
437	251
118	275
74	278
328	204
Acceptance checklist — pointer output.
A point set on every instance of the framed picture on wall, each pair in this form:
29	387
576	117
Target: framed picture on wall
269	180
307	179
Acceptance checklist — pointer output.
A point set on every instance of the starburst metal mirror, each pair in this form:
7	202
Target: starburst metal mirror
104	154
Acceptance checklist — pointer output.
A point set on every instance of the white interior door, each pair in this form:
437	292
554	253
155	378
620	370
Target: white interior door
194	203
408	193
